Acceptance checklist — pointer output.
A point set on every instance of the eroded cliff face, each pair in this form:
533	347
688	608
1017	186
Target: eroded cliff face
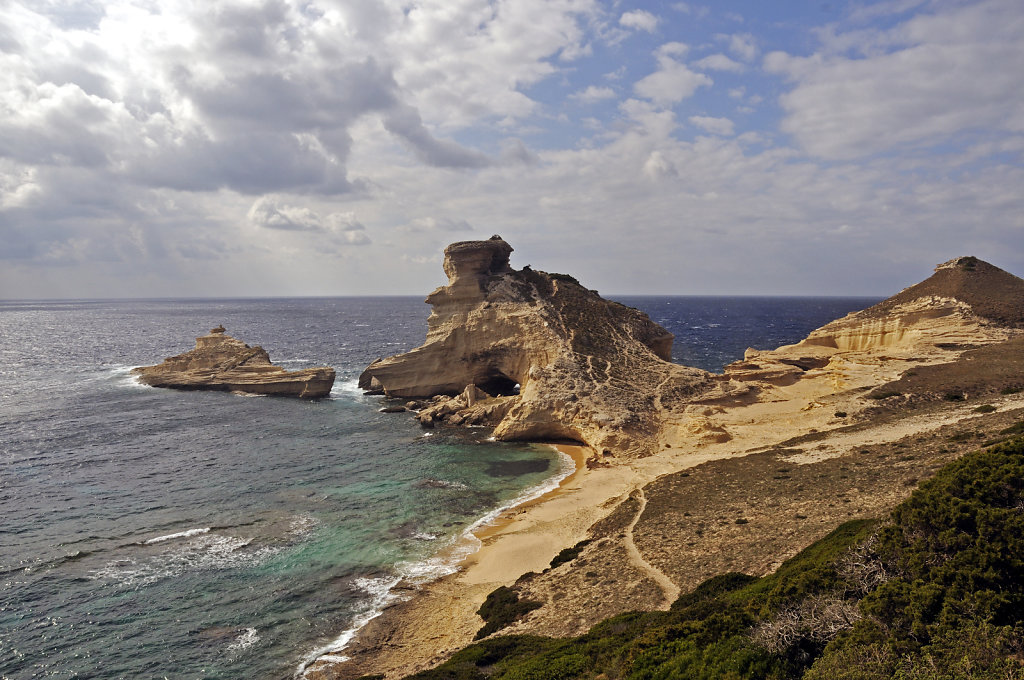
220	362
965	302
538	357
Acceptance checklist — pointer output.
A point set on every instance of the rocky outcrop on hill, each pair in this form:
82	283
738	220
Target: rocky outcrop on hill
220	362
539	357
966	302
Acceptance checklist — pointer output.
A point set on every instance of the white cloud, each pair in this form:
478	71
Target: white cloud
269	212
439	224
356	238
342	228
716	126
673	81
955	72
593	93
743	45
657	166
672	49
699	11
133	148
719	62
341	222
639	19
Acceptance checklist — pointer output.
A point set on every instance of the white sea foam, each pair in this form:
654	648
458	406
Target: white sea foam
203	552
426	434
446	562
181	534
424	536
348	388
301	526
247	639
381	594
124	377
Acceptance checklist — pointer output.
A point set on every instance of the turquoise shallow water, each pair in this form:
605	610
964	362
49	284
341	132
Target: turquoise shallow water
154	533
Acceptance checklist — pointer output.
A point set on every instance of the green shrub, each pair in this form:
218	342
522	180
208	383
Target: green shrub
1016	428
501	609
985	408
569	554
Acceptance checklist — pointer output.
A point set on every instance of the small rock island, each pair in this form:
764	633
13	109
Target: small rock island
220	362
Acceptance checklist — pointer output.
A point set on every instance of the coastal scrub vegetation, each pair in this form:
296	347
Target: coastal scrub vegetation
501	609
934	591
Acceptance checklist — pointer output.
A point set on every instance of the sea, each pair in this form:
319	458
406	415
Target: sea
153	533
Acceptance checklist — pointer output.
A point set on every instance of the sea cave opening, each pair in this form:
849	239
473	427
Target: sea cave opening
500	385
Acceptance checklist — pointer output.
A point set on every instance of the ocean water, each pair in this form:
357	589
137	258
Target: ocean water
157	533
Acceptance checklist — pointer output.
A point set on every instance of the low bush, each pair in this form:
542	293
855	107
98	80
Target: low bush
501	609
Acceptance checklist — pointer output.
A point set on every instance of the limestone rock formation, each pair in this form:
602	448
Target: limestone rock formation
965	302
220	362
539	357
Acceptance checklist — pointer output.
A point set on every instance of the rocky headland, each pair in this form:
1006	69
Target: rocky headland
537	356
220	362
709	473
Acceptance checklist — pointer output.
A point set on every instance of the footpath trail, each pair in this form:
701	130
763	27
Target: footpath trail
670	591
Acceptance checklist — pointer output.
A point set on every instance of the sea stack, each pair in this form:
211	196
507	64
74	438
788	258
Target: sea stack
222	363
538	357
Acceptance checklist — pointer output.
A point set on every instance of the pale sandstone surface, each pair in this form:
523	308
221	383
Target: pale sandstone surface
222	363
778	456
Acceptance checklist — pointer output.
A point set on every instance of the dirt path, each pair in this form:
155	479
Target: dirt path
669	589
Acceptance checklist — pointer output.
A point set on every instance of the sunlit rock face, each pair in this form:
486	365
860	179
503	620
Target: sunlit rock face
966	302
221	362
557	360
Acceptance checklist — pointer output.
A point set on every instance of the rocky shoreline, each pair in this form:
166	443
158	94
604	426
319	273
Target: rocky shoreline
736	473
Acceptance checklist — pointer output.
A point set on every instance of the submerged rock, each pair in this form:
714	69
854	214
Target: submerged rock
222	363
538	357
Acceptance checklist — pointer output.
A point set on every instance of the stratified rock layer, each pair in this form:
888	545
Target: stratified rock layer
221	362
545	358
966	302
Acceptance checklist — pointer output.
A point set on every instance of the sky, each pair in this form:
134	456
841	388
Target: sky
197	148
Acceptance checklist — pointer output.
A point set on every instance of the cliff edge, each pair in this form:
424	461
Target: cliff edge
222	363
538	356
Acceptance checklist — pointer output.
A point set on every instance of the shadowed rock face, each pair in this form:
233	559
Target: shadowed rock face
220	362
556	360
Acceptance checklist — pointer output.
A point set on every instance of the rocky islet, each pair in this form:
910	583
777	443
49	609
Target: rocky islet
220	362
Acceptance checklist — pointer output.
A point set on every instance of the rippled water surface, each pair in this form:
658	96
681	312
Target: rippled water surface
152	533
